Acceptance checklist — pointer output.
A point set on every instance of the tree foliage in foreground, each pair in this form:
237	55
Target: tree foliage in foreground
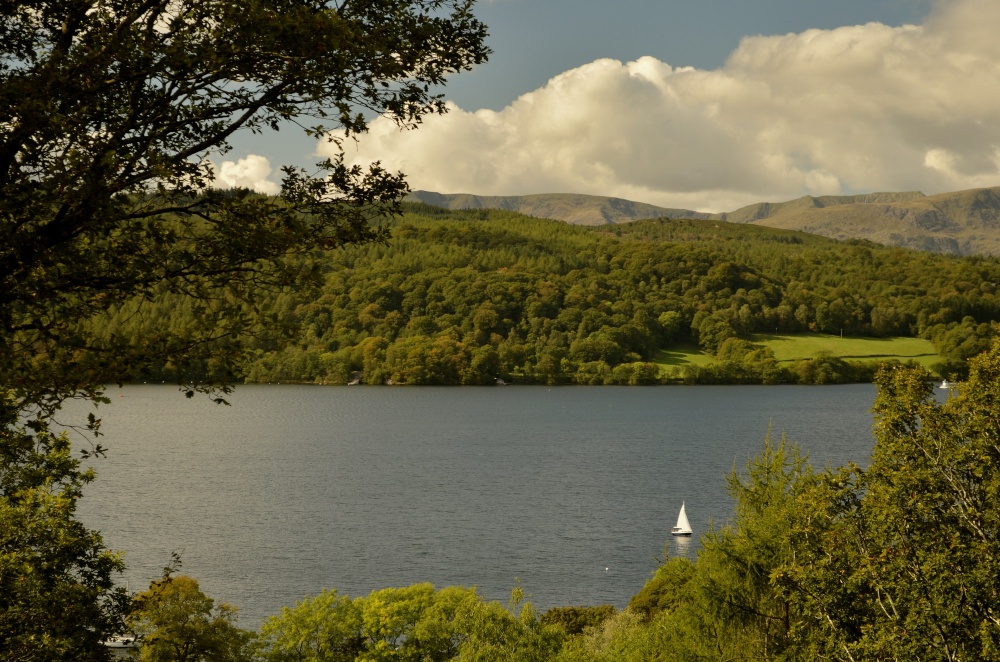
57	592
413	623
112	110
897	561
176	622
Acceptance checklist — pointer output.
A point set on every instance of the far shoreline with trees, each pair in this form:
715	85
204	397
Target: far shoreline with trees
476	296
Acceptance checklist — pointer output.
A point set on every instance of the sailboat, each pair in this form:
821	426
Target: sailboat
683	527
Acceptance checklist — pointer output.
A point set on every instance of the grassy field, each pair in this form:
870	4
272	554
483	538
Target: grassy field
789	348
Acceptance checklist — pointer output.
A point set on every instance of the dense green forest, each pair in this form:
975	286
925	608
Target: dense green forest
469	297
895	561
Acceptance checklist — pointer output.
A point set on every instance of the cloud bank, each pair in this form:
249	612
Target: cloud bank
860	108
251	172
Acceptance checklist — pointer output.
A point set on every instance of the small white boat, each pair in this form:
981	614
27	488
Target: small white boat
683	527
946	385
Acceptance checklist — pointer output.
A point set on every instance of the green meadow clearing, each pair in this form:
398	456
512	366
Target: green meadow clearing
789	348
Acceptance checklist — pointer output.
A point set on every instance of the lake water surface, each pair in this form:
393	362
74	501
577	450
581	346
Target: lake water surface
570	490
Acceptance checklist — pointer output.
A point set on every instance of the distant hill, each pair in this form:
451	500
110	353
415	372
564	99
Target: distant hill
573	208
963	222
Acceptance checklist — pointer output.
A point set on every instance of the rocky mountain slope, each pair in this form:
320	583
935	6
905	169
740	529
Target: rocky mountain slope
962	222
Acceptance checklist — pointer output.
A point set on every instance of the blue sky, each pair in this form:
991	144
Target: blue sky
706	104
534	40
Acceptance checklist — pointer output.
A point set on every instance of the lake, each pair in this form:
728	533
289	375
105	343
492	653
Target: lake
570	491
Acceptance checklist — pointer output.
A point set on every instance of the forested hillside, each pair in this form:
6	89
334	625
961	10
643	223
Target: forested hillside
469	297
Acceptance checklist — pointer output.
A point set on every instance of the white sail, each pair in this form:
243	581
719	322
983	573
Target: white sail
683	527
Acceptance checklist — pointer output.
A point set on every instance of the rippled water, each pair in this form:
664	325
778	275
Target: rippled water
571	490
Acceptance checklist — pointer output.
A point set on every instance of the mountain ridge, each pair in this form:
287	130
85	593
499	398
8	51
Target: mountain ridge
961	222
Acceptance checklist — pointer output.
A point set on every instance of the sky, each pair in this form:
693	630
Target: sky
699	104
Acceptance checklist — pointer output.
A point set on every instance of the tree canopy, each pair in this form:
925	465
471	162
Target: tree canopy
898	560
58	598
113	110
176	622
414	623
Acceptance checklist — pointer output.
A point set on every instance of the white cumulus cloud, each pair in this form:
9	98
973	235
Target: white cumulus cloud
858	108
251	172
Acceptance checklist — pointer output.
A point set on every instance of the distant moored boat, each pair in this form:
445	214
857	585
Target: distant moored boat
121	641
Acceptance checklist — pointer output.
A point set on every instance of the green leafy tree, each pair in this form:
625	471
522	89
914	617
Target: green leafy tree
322	628
900	561
574	620
733	604
512	634
112	110
930	509
958	342
176	622
713	330
413	624
57	593
624	637
897	561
